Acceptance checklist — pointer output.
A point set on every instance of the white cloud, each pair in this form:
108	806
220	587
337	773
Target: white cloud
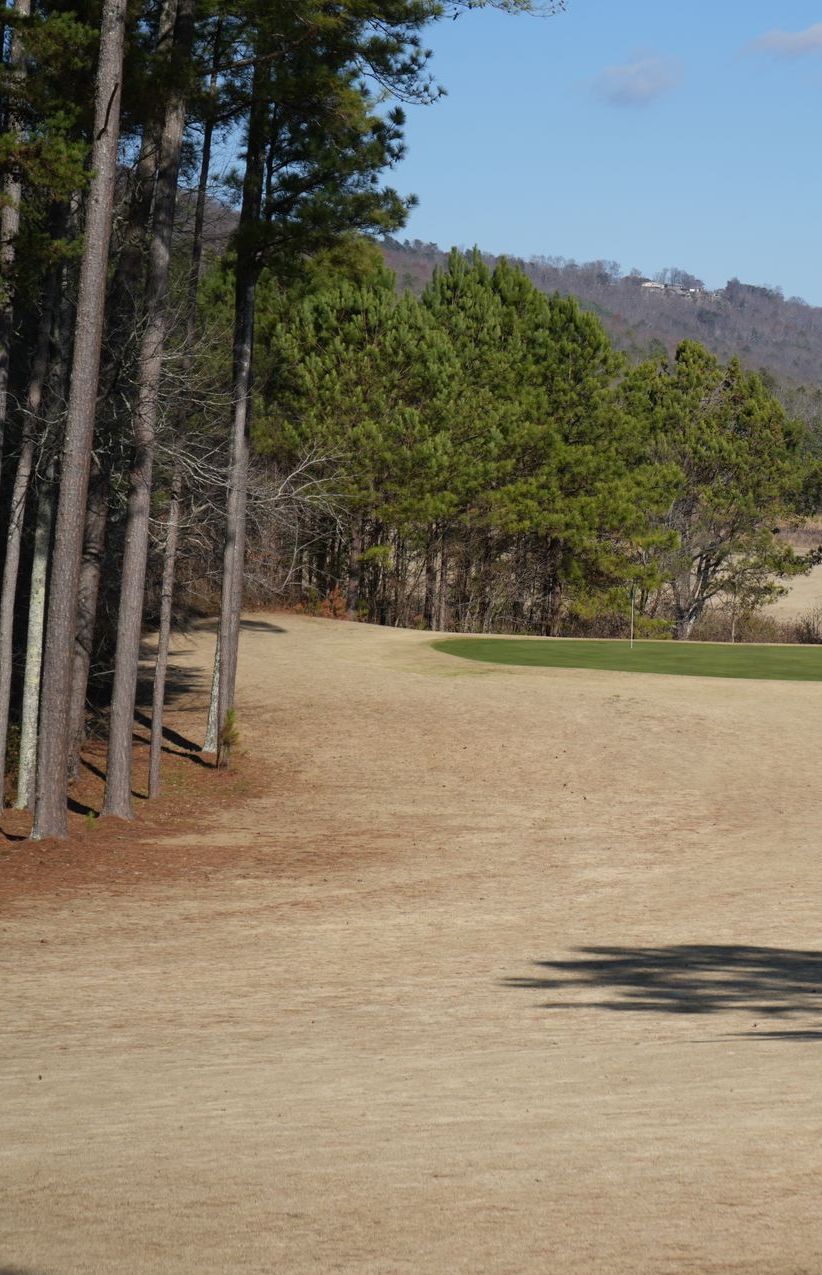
790	44
639	82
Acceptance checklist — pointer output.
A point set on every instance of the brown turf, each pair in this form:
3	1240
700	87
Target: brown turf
350	1017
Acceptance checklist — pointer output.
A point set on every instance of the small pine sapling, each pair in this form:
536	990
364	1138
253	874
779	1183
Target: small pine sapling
229	738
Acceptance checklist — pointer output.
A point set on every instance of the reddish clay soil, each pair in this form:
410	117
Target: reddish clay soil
114	854
467	969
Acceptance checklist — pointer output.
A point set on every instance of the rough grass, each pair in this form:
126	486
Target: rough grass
700	659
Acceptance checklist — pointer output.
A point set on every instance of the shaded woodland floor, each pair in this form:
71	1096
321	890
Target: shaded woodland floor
473	969
104	854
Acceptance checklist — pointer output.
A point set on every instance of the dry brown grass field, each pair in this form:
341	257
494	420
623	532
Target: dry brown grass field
491	969
804	594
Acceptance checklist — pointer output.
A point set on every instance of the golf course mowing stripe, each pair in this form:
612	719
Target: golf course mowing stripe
699	659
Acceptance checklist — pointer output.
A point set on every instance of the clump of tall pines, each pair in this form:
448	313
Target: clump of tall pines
189	415
503	469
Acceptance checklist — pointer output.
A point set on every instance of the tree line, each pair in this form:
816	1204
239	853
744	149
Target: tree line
125	414
501	467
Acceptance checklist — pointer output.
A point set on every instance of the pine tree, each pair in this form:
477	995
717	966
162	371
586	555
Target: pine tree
156	322
739	466
50	810
315	147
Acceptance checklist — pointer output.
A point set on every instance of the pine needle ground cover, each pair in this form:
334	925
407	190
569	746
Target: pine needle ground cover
699	659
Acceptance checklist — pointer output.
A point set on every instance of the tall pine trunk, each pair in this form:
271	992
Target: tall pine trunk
442	594
152	351
195	266
9	226
125	291
121	323
166	600
399	579
211	742
352	593
247	269
57	393
462	590
14	536
234	550
91	567
429	616
194	272
29	714
50	810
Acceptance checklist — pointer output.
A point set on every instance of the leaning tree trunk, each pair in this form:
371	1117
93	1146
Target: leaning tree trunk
684	622
14	535
688	606
247	272
26	772
152	350
50	813
212	735
166	600
10	197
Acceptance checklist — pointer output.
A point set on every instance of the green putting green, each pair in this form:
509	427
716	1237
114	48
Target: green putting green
698	659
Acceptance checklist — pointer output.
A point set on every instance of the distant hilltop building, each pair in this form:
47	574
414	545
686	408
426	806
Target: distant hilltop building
672	289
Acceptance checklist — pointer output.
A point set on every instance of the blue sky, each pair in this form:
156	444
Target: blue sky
651	132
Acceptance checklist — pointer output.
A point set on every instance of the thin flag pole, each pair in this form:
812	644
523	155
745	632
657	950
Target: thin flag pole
633	587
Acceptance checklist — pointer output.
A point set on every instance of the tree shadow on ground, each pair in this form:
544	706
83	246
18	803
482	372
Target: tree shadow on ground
18	1270
184	698
181	683
246	626
183	747
78	808
770	982
259	626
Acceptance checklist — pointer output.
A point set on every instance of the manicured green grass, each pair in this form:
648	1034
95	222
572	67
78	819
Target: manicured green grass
698	659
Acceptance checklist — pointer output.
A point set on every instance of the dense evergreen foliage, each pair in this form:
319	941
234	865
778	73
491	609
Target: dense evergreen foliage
776	335
501	467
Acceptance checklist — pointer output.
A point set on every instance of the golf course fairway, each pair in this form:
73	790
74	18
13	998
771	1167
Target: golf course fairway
697	659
